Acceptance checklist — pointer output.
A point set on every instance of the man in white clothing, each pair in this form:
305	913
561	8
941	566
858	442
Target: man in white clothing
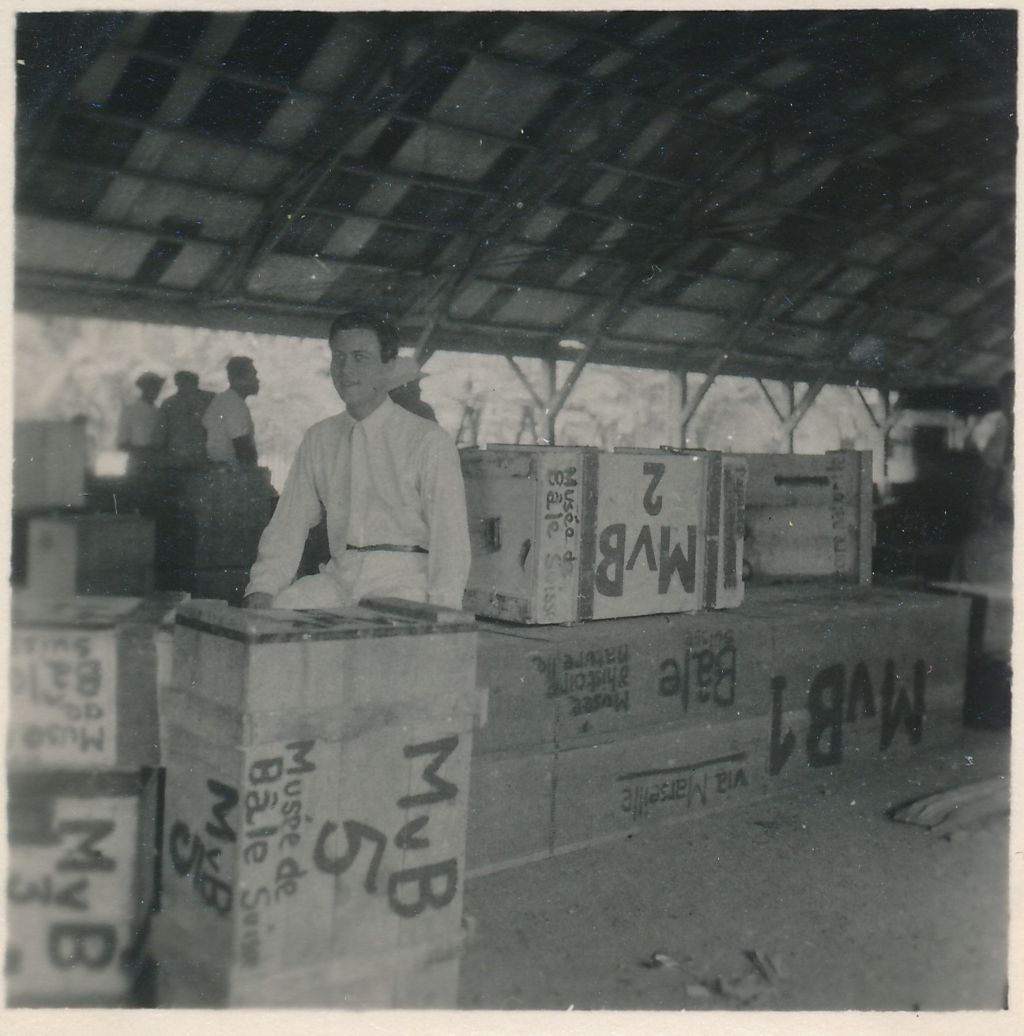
139	428
230	434
389	482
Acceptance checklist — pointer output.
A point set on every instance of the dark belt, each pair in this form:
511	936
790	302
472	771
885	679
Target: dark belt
398	548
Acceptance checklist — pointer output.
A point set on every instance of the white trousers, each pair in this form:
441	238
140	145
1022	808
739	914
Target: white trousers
345	581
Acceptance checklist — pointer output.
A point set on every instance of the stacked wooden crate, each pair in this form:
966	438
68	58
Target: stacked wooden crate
809	517
317	769
595	729
83	802
211	530
48	478
104	554
571	534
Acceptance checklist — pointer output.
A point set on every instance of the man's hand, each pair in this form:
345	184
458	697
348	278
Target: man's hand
258	600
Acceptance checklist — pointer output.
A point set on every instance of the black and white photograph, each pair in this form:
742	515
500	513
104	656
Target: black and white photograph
512	511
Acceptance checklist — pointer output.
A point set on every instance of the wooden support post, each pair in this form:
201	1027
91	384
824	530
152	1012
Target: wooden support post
676	405
554	407
771	402
552	389
693	403
537	401
790	436
799	412
867	406
423	350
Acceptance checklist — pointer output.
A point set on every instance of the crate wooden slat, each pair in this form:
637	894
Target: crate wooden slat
83	681
317	774
81	880
809	516
49	464
800	684
566	534
103	554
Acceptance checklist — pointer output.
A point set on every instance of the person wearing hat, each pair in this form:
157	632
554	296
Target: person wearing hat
230	433
181	415
389	483
405	388
139	428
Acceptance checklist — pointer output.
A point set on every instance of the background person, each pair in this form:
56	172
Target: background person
230	433
184	435
139	428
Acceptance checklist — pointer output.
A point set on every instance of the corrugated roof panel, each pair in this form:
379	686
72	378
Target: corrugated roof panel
382	197
676	325
929	327
717	293
350	237
360	143
218	37
192	266
874	249
802	183
751	263
649	135
100	78
44	244
542	223
295	278
453	155
853	280
258	171
184	95
787	71
539	308
291	122
142	203
962	301
338	55
494	98
609	64
820	309
472	298
535	43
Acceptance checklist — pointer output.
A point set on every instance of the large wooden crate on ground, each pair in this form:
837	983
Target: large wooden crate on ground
49	464
83	681
562	535
317	771
82	859
77	554
596	728
809	516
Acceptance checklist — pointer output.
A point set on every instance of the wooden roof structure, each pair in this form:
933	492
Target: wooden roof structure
812	195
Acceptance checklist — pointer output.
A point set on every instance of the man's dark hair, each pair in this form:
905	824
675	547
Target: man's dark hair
361	320
238	365
183	378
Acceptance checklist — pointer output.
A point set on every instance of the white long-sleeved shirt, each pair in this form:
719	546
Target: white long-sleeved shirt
390	478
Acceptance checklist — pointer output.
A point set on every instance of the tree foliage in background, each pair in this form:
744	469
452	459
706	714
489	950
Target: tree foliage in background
66	367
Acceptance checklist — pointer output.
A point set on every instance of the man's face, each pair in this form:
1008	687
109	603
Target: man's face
360	377
247	381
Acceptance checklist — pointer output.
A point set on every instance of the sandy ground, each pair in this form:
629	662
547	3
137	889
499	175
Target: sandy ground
856	911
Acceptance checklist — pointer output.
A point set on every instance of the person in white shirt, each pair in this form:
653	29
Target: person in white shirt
230	434
139	430
389	482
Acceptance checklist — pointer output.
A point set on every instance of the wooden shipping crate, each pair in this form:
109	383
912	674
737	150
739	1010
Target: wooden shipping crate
317	773
83	681
809	516
49	464
671	716
81	880
565	534
77	554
